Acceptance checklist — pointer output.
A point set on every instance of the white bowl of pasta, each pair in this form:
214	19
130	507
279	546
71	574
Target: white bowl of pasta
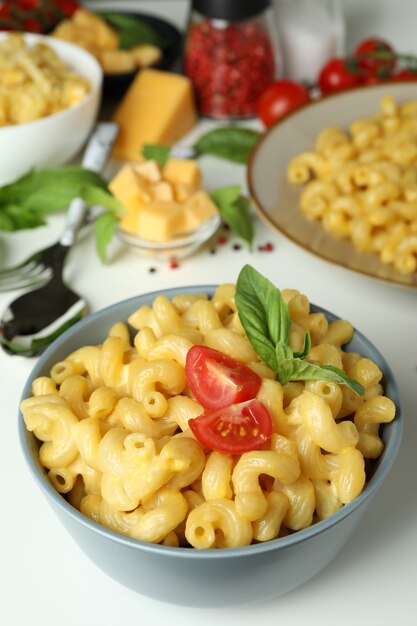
114	437
50	93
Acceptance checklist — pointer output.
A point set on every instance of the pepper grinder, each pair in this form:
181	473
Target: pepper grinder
230	55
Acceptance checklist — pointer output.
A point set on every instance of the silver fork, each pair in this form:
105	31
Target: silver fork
37	269
34	319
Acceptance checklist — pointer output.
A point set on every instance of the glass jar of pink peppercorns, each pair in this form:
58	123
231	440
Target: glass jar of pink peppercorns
230	56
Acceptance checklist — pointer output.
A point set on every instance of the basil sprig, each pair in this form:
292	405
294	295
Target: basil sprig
265	317
231	143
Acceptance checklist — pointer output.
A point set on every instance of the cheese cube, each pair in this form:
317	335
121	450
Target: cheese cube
127	184
158	107
149	170
163	191
182	192
198	209
129	222
160	221
183	171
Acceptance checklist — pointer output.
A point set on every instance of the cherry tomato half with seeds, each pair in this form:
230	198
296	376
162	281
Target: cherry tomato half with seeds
280	98
369	63
234	429
217	380
335	76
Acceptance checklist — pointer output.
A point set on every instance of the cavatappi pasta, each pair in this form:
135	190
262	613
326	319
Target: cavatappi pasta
362	183
112	420
35	82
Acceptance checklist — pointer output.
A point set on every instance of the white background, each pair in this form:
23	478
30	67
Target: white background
45	580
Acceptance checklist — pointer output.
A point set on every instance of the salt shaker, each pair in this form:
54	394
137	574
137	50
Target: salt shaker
310	33
230	55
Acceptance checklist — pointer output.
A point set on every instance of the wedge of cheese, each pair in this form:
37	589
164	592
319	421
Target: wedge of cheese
158	108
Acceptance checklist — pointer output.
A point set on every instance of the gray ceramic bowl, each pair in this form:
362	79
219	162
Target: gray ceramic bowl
214	577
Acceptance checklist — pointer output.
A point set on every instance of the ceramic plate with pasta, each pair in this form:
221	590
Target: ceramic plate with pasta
339	178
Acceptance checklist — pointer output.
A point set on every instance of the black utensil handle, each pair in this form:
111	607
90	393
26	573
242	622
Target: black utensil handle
95	157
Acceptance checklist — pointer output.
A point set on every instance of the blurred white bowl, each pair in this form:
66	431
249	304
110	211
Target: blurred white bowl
53	140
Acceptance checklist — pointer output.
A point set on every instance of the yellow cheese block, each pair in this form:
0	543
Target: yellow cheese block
183	171
158	108
198	209
127	184
149	170
163	191
160	221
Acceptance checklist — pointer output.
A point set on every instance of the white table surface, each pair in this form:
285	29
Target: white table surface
45	580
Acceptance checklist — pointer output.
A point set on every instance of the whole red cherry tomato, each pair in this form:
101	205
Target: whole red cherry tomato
404	74
279	98
367	56
335	76
217	380
234	429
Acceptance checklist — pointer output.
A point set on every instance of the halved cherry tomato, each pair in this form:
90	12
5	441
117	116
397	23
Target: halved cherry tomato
234	429
368	62
279	98
335	76
217	380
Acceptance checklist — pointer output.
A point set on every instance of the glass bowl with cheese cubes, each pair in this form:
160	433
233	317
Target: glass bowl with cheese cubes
168	213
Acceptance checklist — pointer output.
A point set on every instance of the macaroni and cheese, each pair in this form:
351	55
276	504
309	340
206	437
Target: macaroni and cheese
362	183
35	82
113	419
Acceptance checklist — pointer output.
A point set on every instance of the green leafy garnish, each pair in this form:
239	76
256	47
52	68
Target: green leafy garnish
105	225
160	154
25	202
234	211
265	317
133	31
228	142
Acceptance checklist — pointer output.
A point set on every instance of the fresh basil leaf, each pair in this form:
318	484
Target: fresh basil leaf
105	227
237	216
95	196
7	223
234	210
19	218
306	348
269	303
49	190
134	31
258	306
225	195
159	153
297	369
228	142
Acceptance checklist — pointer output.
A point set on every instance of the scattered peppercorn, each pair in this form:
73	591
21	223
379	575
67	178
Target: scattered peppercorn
173	264
222	240
266	247
152	270
237	246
